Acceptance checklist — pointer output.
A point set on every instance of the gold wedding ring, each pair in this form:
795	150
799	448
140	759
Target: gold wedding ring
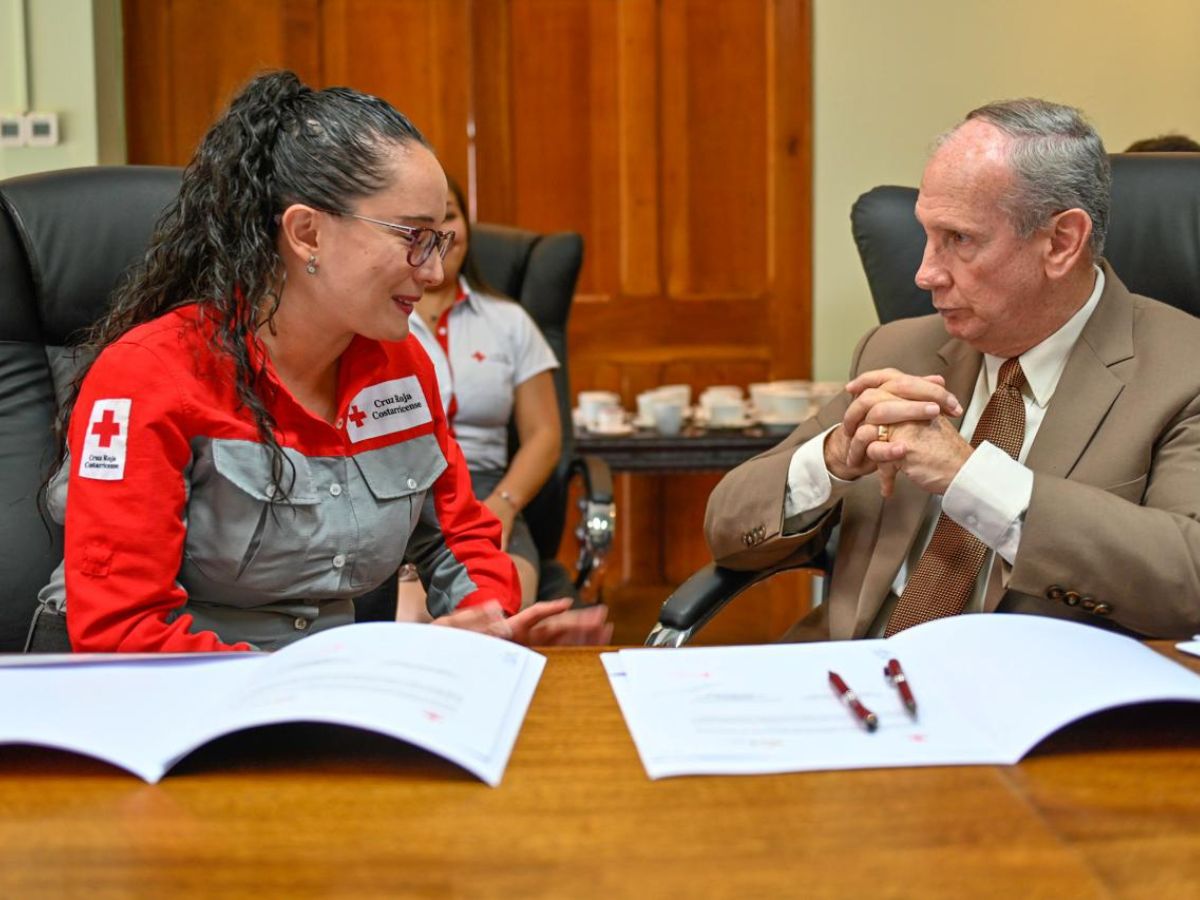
885	432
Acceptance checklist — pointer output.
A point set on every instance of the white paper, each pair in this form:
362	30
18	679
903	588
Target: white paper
455	693
1192	646
988	688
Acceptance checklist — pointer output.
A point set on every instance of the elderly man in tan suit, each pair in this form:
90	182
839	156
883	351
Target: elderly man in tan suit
1033	447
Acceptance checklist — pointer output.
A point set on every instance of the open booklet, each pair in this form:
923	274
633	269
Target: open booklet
455	693
988	688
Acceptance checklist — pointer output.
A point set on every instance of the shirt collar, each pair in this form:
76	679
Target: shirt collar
1043	363
466	295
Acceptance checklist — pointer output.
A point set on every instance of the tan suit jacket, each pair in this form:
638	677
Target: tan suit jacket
1111	534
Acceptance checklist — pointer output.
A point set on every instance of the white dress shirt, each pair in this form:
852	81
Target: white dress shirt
991	492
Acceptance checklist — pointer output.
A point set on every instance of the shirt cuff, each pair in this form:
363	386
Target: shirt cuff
989	496
810	484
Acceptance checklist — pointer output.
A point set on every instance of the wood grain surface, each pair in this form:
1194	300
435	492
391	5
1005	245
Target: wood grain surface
1111	807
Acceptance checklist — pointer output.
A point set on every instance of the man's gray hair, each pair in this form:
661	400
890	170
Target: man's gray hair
1058	161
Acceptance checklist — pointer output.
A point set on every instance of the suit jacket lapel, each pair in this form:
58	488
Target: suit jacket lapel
1088	388
903	511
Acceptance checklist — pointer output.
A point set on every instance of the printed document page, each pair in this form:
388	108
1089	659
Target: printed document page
988	688
754	710
458	694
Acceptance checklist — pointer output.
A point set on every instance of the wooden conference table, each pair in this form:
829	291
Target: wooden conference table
1109	808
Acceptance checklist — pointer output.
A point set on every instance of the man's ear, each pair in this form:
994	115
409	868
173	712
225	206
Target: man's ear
1070	236
300	231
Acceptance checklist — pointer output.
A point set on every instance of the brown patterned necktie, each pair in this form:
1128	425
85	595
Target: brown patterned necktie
945	575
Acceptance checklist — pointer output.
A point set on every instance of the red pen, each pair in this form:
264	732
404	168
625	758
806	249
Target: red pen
897	679
865	717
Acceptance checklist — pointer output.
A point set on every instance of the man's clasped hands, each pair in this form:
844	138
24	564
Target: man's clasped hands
898	423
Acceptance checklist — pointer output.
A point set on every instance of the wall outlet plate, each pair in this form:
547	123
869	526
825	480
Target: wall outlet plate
12	130
41	129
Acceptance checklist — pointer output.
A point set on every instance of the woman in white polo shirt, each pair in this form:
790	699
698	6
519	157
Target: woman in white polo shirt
493	365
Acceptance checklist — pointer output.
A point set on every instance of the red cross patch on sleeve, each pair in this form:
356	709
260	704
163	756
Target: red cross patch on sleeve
105	444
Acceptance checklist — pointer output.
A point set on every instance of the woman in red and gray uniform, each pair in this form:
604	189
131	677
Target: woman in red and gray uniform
259	439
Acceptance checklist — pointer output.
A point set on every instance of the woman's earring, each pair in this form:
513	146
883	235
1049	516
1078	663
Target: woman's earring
311	268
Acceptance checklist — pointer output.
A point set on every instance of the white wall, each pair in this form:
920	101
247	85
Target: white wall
74	65
889	75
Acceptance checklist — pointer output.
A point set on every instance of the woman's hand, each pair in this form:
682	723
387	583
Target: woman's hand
506	512
553	623
486	618
546	624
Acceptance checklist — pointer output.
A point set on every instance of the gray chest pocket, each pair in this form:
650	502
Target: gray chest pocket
397	479
239	528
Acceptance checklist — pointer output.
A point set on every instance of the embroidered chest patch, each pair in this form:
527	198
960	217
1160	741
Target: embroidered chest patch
106	441
386	408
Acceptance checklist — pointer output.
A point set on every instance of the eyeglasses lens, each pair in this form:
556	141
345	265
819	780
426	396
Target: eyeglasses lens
421	247
426	241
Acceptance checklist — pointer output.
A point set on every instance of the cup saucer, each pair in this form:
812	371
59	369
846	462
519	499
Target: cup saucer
732	425
612	430
782	423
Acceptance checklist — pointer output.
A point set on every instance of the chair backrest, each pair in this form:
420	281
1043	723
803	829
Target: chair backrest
1153	237
65	240
539	272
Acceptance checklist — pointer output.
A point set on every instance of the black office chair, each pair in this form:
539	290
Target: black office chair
540	272
1153	244
66	238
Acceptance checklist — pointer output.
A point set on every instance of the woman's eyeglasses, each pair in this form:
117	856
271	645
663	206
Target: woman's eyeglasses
421	241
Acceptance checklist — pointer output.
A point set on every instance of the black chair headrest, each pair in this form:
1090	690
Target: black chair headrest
1153	240
504	256
80	229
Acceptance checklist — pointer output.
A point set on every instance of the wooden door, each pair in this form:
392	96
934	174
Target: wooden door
675	135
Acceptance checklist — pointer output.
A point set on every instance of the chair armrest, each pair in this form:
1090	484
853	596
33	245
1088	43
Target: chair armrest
598	513
705	593
597	477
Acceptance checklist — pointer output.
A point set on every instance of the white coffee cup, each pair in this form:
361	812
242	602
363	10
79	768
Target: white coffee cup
645	404
610	418
761	393
720	393
668	417
677	393
591	402
726	410
791	404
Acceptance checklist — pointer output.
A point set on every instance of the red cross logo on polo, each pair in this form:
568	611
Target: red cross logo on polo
106	440
387	407
479	357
